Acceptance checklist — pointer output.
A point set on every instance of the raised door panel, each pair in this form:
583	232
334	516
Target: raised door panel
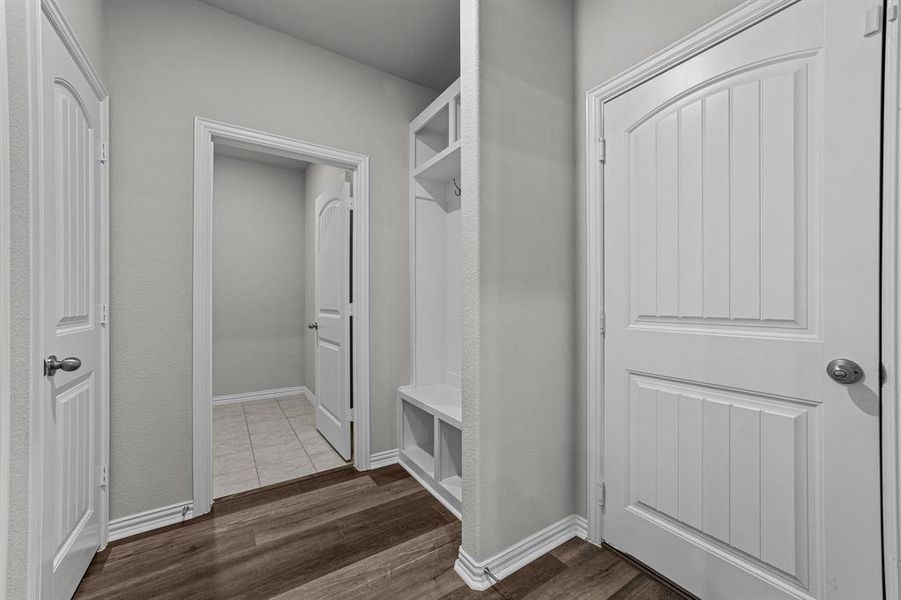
720	219
726	469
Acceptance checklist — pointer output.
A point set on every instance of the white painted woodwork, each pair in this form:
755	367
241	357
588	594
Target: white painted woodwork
71	409
741	232
435	282
206	133
333	335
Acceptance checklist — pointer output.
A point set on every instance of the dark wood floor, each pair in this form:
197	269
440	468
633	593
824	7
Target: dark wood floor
340	534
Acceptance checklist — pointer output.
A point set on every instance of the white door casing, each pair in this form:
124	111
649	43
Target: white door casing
332	279
71	410
741	234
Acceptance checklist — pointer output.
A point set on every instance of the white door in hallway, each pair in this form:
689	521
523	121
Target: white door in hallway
332	318
741	198
70	318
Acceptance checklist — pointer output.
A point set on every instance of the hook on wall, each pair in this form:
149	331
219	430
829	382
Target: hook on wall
457	190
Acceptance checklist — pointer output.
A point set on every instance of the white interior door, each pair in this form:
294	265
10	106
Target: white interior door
333	334
741	193
70	233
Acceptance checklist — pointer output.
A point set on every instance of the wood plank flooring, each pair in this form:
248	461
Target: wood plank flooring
340	535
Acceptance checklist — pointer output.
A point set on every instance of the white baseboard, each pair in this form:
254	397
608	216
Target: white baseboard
152	519
508	561
383	459
262	395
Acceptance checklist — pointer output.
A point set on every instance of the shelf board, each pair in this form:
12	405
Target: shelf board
454	486
443	400
443	166
420	458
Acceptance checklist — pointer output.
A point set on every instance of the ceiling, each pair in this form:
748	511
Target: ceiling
417	40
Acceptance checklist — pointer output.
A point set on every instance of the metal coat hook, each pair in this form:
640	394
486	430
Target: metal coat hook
457	191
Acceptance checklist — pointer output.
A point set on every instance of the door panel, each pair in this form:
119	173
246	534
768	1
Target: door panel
70	287
741	193
333	334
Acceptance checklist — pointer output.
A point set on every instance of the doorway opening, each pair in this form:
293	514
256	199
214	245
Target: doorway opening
280	314
272	283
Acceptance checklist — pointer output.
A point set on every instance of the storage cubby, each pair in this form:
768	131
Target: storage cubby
432	137
450	462
435	321
418	437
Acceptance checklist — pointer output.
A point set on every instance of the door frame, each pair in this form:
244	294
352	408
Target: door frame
715	32
4	304
37	399
206	133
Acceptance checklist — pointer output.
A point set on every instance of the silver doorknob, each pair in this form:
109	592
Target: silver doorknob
53	364
313	325
844	371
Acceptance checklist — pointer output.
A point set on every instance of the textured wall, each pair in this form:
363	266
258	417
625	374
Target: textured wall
610	37
259	277
172	60
521	279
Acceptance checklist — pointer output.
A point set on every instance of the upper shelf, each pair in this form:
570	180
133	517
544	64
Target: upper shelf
443	166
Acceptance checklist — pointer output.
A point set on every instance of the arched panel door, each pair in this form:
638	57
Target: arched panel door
741	198
72	320
332	278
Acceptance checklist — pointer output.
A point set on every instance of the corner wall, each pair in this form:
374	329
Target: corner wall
518	269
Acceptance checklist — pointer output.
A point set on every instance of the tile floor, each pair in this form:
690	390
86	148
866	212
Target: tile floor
267	441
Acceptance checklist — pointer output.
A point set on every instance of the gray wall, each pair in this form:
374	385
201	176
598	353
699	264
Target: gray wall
87	21
172	60
319	178
518	270
610	37
259	277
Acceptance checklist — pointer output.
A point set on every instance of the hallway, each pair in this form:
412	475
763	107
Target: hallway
340	534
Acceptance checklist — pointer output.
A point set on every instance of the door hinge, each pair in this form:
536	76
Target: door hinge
602	150
349	414
872	21
103	476
602	494
104	314
603	323
350	309
104	154
350	203
892	11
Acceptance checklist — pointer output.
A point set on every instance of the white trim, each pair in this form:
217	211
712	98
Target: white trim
261	395
518	555
206	132
149	520
4	304
60	24
891	311
718	30
383	459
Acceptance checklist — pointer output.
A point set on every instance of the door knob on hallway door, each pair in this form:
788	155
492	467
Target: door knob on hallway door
844	371
53	364
313	325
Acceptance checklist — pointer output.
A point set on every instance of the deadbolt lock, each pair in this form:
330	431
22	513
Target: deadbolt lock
844	371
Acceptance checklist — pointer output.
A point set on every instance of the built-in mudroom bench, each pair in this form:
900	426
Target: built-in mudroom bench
430	414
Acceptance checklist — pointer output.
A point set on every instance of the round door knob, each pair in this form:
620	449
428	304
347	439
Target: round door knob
313	326
53	364
844	371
